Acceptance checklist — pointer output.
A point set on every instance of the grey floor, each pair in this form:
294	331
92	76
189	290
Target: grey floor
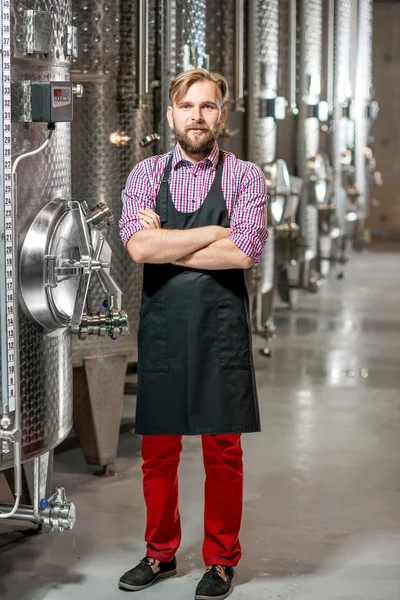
322	499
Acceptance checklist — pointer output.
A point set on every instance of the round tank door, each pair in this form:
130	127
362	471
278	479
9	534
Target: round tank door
58	257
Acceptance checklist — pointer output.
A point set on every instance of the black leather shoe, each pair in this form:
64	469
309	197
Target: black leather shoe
146	573
216	583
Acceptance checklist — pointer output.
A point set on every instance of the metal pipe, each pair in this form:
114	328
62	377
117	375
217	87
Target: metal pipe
15	435
330	43
292	53
354	44
23	513
239	54
259	304
143	50
168	31
36	486
254	89
32	153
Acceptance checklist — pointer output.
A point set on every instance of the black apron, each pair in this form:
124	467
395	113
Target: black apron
195	365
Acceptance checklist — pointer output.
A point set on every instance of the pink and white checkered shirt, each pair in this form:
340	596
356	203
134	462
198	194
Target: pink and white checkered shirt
243	186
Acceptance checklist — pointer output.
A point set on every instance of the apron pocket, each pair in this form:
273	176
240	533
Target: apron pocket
234	338
152	341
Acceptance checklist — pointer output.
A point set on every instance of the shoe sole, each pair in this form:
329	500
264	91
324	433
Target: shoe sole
137	588
197	597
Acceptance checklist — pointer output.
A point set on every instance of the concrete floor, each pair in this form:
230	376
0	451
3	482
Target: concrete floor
322	500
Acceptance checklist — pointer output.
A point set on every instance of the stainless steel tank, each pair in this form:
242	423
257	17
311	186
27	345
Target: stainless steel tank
339	66
264	109
37	403
233	43
45	358
112	131
226	48
349	95
108	126
365	110
310	165
183	47
287	81
285	185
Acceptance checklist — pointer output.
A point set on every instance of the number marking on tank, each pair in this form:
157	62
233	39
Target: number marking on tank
9	257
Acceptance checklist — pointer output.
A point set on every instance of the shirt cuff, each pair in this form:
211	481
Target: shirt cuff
251	248
128	230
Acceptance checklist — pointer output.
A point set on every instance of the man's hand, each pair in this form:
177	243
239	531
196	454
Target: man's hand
223	232
149	219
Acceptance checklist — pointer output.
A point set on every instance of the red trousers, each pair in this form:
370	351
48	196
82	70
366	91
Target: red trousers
222	456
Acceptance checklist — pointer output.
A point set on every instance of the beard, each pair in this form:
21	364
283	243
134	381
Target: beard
197	144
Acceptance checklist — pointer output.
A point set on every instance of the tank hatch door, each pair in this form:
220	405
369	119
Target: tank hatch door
58	258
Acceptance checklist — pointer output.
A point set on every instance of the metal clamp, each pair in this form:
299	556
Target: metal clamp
113	323
72	41
77	90
39	32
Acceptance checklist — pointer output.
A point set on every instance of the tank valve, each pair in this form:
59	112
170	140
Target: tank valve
113	322
55	513
99	216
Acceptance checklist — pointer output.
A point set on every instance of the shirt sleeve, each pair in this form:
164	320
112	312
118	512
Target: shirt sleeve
137	195
249	215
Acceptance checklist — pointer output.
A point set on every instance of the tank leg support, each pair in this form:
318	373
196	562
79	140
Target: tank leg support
98	397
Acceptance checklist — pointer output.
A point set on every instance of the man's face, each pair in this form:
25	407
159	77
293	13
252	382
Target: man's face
198	118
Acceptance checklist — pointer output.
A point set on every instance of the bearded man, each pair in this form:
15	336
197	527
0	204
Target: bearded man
195	217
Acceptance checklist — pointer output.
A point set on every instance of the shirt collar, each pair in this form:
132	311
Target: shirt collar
179	159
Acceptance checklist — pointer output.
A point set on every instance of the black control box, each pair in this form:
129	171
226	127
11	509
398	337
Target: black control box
51	101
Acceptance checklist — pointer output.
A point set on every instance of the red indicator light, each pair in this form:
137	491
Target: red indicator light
57	93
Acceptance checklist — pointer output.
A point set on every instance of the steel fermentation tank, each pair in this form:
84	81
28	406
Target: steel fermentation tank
309	164
226	49
183	46
41	49
45	359
112	131
340	135
262	67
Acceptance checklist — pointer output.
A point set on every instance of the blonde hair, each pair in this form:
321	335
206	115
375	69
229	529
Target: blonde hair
183	81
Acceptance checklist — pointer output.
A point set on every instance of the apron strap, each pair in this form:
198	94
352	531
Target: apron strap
220	168
162	198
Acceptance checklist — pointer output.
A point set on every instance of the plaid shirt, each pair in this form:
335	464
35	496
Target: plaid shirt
243	187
